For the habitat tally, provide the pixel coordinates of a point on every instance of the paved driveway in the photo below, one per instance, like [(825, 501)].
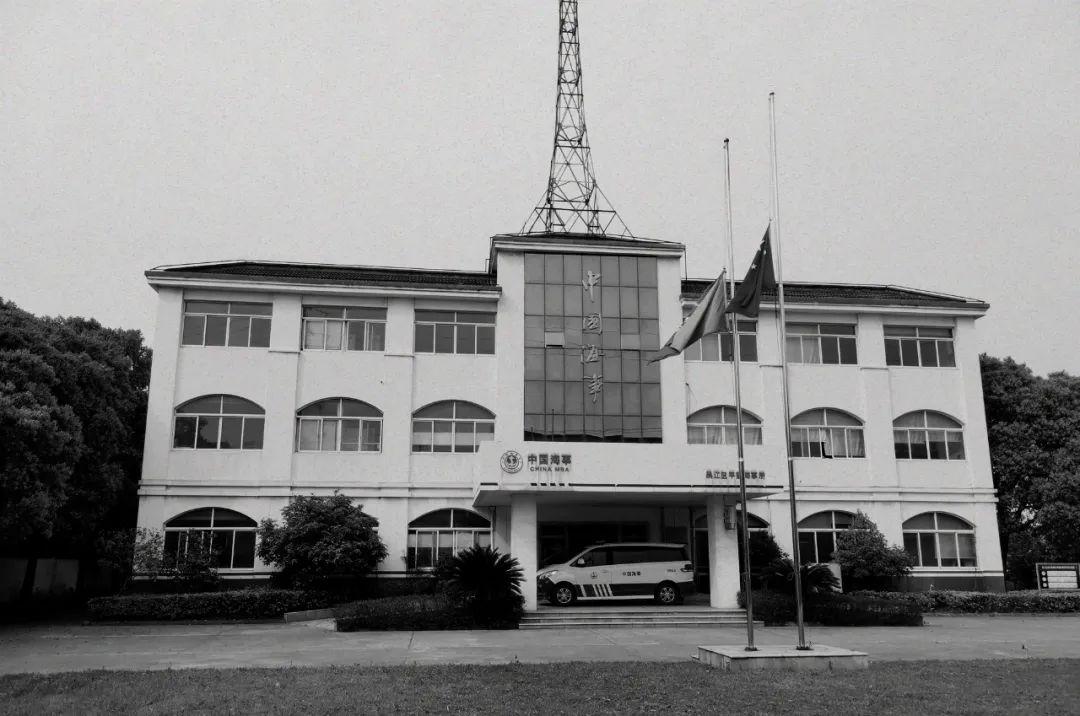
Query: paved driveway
[(163, 646)]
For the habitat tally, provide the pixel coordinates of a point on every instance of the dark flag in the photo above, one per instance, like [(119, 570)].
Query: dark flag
[(707, 318), (747, 298)]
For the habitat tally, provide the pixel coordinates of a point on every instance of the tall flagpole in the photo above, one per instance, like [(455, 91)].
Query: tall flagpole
[(797, 561), (743, 525)]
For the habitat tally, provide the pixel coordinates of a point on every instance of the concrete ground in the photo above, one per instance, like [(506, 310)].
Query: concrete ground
[(163, 646)]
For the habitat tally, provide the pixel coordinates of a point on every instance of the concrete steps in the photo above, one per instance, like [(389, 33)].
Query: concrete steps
[(631, 617)]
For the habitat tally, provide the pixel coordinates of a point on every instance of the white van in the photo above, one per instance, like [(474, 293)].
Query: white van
[(624, 570)]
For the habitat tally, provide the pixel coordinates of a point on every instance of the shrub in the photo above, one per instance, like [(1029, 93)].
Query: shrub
[(817, 579), (764, 550), (866, 560), (489, 584), (1029, 601), (239, 604), (407, 613), (773, 608), (848, 610), (321, 537)]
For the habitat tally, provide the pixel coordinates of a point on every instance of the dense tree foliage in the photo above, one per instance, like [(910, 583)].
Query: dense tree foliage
[(866, 560), (72, 415), (1033, 425), (321, 537)]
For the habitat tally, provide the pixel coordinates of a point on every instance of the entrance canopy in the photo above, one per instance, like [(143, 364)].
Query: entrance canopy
[(488, 494)]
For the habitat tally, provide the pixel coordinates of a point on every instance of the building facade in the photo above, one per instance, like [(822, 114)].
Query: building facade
[(517, 407)]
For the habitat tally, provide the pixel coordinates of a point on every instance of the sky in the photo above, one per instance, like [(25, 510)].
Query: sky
[(929, 144)]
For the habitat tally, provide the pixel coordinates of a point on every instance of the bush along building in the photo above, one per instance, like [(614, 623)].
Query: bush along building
[(517, 406)]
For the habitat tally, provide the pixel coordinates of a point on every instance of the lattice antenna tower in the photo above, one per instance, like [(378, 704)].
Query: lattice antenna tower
[(572, 203)]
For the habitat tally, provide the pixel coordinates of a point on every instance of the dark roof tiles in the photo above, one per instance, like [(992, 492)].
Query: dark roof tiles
[(848, 294)]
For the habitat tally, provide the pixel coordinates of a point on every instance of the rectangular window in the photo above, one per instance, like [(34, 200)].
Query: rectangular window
[(828, 343), (221, 323), (926, 346), (461, 332), (718, 346), (335, 328)]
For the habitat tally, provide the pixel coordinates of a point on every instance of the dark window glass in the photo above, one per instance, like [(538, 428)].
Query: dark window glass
[(807, 553), (946, 354), (231, 431), (425, 339), (909, 352), (911, 544), (928, 542), (239, 327), (260, 333), (444, 338), (184, 432), (193, 330), (253, 433), (830, 350), (892, 352), (466, 339), (848, 355), (216, 327), (534, 268), (928, 353), (244, 550), (826, 545), (207, 435)]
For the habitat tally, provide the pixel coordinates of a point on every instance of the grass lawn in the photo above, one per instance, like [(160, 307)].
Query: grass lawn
[(1034, 686)]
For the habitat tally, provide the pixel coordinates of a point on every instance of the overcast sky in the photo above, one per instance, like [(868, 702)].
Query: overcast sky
[(932, 144)]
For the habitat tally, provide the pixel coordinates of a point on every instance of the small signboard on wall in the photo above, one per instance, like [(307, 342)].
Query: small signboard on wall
[(1058, 575)]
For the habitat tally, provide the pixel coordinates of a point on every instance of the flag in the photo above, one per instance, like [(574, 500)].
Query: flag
[(747, 298), (707, 318)]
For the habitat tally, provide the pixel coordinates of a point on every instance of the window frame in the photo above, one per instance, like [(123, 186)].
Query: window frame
[(927, 444), (413, 533), (919, 341), (832, 530), (345, 328), (830, 431), (455, 423), (455, 327), (723, 429), (818, 337), (339, 419), (938, 533), (229, 315), (720, 344), (209, 532), (220, 416)]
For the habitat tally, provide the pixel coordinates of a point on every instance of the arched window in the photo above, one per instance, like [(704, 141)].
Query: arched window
[(827, 432), (228, 535), (452, 426), (937, 539), (716, 426), (219, 422), (926, 435), (817, 535), (339, 425), (441, 534)]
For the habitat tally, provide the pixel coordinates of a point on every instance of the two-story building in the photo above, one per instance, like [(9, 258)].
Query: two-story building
[(517, 407)]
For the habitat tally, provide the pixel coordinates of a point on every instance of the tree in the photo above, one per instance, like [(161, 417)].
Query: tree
[(321, 537), (1033, 425), (764, 550), (866, 560), (72, 415)]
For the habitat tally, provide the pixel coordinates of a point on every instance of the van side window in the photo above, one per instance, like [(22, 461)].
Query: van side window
[(667, 554), (597, 557), (630, 555)]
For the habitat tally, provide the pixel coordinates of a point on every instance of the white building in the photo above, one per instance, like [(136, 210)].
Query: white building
[(515, 406)]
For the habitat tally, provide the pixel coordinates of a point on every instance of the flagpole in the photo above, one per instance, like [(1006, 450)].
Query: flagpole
[(797, 562), (743, 524)]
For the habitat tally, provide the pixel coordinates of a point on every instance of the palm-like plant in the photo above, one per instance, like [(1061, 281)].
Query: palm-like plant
[(489, 581), (817, 579)]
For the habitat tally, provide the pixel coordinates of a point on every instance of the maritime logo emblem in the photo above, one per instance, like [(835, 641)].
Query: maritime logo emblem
[(511, 461)]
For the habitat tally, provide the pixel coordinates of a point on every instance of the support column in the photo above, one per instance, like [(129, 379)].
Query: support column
[(523, 543), (723, 557)]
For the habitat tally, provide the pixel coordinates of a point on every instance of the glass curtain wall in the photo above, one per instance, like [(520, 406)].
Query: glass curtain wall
[(590, 325)]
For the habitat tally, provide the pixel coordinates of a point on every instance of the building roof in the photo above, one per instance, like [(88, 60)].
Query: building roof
[(853, 294), (332, 274)]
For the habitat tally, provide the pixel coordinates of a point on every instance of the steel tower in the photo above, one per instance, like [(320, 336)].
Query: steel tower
[(572, 202)]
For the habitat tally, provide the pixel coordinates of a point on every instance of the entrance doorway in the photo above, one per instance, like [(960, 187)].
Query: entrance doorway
[(559, 541)]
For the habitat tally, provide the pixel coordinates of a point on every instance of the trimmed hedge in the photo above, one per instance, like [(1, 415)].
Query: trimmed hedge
[(239, 604), (778, 609), (1028, 601), (847, 610), (421, 612)]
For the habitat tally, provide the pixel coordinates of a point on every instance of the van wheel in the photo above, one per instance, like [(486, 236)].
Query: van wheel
[(563, 595), (667, 594)]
